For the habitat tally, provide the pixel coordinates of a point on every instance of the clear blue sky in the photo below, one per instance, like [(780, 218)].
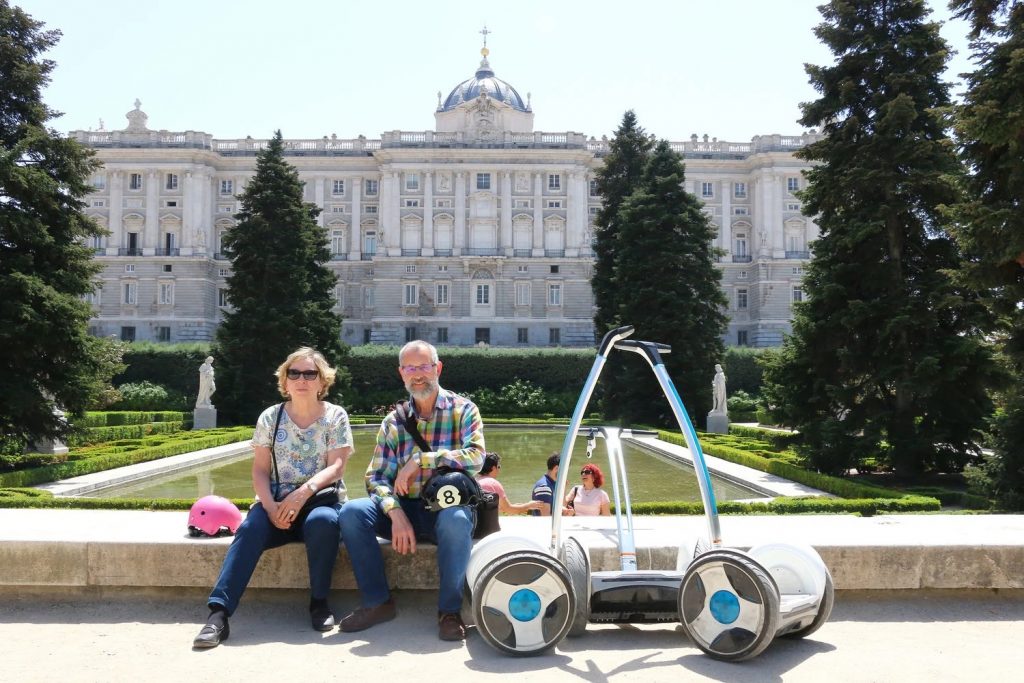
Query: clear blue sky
[(729, 68)]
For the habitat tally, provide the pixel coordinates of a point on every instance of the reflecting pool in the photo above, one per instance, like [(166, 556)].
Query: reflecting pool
[(523, 455)]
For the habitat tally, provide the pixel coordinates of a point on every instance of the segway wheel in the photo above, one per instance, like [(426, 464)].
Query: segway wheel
[(576, 561), (824, 611), (523, 603), (729, 605)]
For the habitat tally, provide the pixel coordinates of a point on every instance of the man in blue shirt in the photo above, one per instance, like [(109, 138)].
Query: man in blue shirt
[(545, 486)]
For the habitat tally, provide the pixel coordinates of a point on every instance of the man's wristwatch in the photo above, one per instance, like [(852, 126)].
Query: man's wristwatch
[(311, 486)]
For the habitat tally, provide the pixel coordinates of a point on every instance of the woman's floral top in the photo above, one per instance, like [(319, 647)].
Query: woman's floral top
[(301, 453)]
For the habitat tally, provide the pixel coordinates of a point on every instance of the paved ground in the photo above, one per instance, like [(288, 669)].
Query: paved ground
[(872, 636)]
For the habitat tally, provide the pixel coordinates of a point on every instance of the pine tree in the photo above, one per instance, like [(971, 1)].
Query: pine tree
[(669, 289), (990, 221), (280, 292), (48, 361), (887, 351), (617, 178)]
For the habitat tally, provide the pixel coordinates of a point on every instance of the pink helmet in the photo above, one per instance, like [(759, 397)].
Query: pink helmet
[(210, 515)]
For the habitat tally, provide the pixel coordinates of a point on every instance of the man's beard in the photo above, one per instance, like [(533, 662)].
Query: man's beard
[(426, 392)]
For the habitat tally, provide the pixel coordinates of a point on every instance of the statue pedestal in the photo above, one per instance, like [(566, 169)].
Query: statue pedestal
[(54, 446), (204, 417), (718, 423)]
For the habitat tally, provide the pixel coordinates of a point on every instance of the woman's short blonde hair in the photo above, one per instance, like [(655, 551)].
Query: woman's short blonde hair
[(327, 373)]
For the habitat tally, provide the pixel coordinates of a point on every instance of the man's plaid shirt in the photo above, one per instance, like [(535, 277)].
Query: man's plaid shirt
[(455, 433)]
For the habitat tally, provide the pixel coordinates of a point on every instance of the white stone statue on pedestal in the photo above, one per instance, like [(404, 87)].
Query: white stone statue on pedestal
[(718, 391), (718, 418), (206, 384)]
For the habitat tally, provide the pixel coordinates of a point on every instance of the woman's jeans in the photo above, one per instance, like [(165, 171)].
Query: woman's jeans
[(451, 529), (319, 531)]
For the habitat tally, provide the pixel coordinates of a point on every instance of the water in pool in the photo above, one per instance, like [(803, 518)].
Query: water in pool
[(523, 455)]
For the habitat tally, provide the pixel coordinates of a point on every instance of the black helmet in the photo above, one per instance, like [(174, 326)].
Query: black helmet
[(450, 487)]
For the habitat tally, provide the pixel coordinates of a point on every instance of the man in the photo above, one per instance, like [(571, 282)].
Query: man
[(395, 477), (545, 486)]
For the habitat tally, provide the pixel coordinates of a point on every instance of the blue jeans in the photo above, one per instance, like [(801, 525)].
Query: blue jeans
[(451, 529), (319, 531)]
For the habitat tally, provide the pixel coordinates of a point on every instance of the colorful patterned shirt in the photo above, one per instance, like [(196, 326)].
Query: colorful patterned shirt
[(301, 453), (454, 431)]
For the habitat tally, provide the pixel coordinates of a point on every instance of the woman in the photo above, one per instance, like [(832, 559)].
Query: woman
[(488, 480), (300, 448), (589, 498)]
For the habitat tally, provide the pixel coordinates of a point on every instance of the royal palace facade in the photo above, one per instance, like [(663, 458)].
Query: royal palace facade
[(480, 230)]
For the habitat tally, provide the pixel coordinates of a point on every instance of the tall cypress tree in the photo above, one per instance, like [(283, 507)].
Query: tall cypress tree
[(279, 290), (46, 269), (669, 289), (990, 220), (617, 178), (888, 349)]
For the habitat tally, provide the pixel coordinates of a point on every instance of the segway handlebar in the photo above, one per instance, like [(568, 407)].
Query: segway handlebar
[(612, 338)]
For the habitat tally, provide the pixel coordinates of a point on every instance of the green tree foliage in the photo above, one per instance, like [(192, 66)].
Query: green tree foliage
[(990, 220), (669, 290), (888, 349), (46, 268), (280, 292), (617, 178)]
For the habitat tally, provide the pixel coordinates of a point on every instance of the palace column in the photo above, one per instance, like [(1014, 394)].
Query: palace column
[(538, 214), (116, 211), (459, 238), (355, 235), (151, 234), (505, 229), (427, 239), (725, 233), (318, 198)]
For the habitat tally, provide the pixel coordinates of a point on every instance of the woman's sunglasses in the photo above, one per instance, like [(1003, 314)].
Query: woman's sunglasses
[(304, 374), (584, 473)]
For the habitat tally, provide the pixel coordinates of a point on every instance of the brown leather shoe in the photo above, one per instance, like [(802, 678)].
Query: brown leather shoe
[(365, 617), (450, 627)]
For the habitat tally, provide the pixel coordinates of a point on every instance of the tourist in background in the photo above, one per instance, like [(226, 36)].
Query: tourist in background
[(300, 448), (588, 498), (488, 480)]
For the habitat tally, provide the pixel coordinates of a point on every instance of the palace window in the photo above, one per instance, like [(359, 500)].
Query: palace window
[(555, 294), (135, 181), (338, 187), (741, 299), (707, 190), (441, 295), (227, 187), (372, 188), (412, 181), (554, 181), (483, 181), (410, 296), (739, 190), (792, 184), (522, 294), (522, 335), (442, 335), (172, 181)]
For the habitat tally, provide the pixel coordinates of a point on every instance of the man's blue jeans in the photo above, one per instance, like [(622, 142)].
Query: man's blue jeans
[(256, 534), (451, 529)]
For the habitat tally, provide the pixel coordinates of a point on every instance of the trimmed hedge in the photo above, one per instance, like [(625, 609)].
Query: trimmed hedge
[(128, 431), (34, 498), (833, 485), (779, 440), (113, 418), (122, 453)]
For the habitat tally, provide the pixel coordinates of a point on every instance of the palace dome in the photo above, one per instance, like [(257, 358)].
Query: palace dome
[(484, 81)]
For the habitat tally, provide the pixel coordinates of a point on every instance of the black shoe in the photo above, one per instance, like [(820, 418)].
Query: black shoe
[(211, 636), (322, 618)]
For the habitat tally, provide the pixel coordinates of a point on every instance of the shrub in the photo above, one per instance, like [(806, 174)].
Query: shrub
[(145, 395)]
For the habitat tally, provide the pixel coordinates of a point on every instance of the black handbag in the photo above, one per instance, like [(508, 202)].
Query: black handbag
[(325, 496), (485, 504)]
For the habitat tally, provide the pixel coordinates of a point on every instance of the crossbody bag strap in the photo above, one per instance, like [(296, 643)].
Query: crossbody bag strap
[(273, 449), (403, 411)]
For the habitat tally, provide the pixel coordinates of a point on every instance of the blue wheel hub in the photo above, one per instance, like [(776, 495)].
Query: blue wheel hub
[(725, 607), (524, 605)]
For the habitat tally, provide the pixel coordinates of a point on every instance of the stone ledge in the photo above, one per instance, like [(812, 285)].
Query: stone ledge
[(100, 548)]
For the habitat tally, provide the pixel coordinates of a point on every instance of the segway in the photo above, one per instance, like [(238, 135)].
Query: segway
[(732, 604)]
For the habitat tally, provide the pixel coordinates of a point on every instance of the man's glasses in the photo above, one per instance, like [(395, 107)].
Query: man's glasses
[(304, 374), (412, 369)]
